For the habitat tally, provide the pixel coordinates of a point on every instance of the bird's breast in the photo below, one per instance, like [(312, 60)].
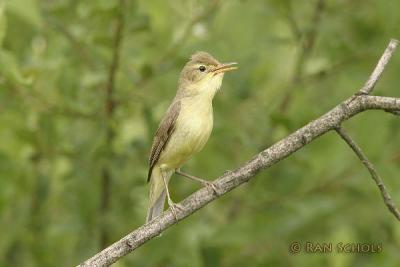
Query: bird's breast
[(195, 124), (192, 130)]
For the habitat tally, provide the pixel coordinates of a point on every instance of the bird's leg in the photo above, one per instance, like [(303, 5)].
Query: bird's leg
[(206, 183), (173, 206)]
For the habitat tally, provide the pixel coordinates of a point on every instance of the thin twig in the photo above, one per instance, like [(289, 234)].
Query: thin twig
[(374, 174), (230, 180), (376, 74)]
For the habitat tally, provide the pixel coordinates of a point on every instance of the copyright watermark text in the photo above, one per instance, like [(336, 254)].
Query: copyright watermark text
[(340, 247)]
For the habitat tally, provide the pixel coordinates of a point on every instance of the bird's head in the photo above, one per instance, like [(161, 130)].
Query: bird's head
[(203, 75)]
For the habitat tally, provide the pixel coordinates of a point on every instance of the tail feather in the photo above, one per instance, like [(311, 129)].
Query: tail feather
[(158, 207), (157, 192)]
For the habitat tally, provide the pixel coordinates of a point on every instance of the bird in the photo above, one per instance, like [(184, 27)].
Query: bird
[(184, 129)]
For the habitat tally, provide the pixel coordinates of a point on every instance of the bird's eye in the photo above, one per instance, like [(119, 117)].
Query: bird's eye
[(202, 68)]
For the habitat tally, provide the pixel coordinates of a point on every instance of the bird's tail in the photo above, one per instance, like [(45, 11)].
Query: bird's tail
[(157, 193), (157, 208)]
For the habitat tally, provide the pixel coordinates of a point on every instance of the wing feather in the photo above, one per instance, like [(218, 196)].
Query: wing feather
[(163, 134)]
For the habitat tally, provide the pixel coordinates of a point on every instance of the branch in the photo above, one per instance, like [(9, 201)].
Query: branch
[(374, 174), (376, 74), (230, 180)]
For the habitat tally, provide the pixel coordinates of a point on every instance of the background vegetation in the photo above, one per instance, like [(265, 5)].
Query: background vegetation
[(76, 126)]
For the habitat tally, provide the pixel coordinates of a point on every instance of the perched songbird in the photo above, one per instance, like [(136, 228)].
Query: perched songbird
[(185, 128)]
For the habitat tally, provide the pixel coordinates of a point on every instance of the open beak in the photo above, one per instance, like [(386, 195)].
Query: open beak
[(224, 68)]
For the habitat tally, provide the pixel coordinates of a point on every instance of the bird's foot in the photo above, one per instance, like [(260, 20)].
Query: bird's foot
[(174, 207)]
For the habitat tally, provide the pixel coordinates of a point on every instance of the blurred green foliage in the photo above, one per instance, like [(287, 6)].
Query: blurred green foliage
[(297, 60)]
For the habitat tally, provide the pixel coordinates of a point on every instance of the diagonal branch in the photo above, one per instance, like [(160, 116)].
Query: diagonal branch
[(230, 180), (374, 174)]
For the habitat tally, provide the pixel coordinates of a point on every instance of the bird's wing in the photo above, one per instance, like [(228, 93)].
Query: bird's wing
[(163, 134)]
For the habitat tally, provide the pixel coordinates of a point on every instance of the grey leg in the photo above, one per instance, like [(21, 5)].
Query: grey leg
[(197, 179), (173, 206)]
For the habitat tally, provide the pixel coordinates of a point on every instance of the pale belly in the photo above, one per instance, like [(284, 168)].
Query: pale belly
[(192, 131)]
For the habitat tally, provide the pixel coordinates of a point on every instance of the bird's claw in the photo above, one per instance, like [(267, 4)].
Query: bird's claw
[(174, 207)]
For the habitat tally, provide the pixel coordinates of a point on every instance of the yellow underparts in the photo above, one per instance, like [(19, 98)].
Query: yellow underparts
[(192, 130)]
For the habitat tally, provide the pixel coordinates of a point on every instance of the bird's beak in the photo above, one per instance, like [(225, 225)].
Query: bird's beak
[(224, 68)]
